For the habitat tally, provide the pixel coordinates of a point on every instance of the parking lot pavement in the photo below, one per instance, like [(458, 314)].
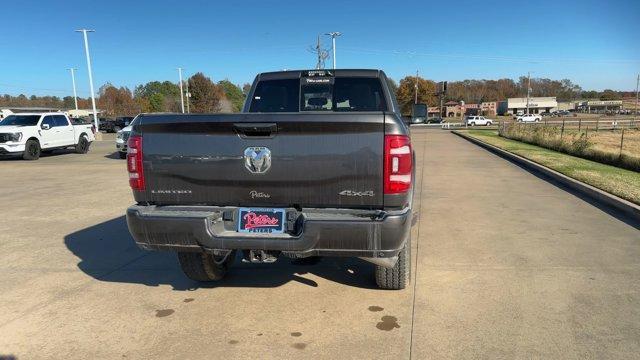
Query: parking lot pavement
[(506, 265)]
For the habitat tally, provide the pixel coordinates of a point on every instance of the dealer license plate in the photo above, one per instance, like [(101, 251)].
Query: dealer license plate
[(261, 220)]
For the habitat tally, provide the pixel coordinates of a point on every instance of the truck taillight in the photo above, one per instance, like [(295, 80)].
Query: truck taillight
[(398, 164), (134, 162)]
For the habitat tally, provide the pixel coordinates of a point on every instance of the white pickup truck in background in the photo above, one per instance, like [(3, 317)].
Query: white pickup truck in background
[(30, 134)]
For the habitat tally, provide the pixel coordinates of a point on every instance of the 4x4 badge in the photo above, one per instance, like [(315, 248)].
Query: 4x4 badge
[(257, 159)]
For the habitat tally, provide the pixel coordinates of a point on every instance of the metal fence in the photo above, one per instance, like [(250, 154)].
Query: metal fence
[(570, 123)]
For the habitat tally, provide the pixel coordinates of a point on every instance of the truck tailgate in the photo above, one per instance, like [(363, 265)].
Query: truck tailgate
[(316, 160)]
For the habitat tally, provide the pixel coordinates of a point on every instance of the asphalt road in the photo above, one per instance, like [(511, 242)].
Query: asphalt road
[(506, 265)]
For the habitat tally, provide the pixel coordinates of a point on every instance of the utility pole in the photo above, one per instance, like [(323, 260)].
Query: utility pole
[(334, 35), (636, 113), (442, 91), (73, 81), (528, 90), (416, 89), (181, 94), (93, 96), (319, 52)]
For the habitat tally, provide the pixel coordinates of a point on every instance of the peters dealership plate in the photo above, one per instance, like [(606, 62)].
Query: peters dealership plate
[(261, 220)]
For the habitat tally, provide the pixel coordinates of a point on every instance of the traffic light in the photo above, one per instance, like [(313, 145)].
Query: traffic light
[(442, 87)]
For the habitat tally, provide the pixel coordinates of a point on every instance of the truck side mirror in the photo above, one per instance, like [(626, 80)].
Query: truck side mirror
[(45, 126)]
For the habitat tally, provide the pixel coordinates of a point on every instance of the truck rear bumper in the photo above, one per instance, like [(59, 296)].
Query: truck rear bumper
[(326, 232)]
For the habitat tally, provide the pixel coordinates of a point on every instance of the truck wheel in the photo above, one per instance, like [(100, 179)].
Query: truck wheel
[(83, 145), (123, 155), (31, 150), (399, 276), (205, 266)]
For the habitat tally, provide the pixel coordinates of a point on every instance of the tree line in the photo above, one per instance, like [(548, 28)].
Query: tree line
[(477, 91), (154, 96), (208, 96)]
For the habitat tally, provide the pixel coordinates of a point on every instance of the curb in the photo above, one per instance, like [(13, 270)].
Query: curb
[(601, 197)]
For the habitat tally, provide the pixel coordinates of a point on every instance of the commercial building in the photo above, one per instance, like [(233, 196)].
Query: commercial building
[(455, 109), (600, 106), (451, 108), (567, 105), (489, 108), (536, 105)]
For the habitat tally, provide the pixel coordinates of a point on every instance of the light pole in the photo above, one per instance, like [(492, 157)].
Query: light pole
[(93, 96), (334, 35), (73, 81), (181, 94), (415, 101), (188, 94)]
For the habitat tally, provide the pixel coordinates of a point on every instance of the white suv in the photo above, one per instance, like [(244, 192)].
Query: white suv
[(529, 118), (478, 120)]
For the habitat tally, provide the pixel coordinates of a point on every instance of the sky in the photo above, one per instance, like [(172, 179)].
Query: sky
[(595, 44)]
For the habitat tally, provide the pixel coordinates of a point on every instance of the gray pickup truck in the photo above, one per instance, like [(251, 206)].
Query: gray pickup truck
[(319, 163)]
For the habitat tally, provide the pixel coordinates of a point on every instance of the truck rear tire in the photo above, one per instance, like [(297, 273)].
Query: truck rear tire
[(399, 276), (82, 147), (31, 150), (205, 266)]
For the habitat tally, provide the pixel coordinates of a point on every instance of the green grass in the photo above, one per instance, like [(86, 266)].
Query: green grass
[(602, 146), (620, 182)]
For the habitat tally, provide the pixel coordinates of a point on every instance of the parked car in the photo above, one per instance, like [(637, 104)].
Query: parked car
[(113, 126), (30, 134), (318, 164), (415, 120), (477, 120), (435, 120), (122, 137), (529, 118)]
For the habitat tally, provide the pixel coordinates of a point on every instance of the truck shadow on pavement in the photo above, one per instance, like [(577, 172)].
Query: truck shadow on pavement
[(107, 252), (114, 155)]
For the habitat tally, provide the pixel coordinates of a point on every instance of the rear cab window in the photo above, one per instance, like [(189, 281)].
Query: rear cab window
[(319, 91), (276, 96)]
